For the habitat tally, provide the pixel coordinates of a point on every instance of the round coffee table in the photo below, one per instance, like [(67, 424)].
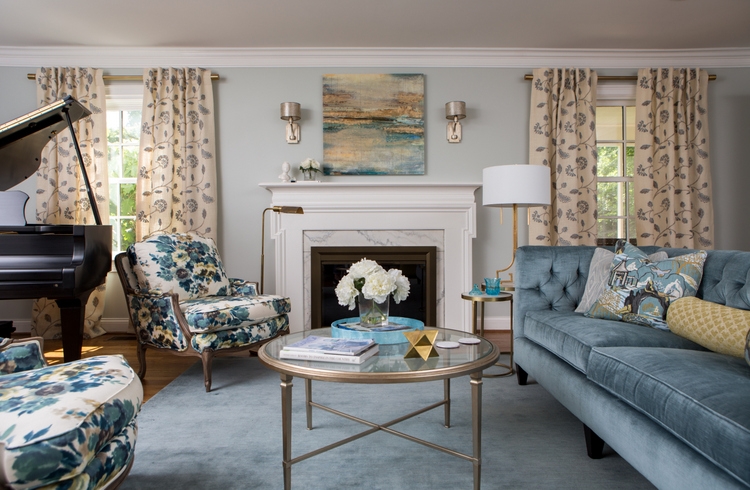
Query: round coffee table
[(388, 366)]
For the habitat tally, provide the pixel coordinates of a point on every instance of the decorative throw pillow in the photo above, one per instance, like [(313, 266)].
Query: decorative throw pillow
[(186, 264), (601, 263), (640, 291), (716, 327)]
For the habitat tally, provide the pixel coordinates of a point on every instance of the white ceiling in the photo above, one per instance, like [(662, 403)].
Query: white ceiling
[(539, 24)]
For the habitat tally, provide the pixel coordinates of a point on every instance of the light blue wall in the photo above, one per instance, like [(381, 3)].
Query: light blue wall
[(251, 149)]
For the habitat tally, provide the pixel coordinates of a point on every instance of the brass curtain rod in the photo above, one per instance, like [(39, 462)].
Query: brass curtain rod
[(119, 78), (609, 78)]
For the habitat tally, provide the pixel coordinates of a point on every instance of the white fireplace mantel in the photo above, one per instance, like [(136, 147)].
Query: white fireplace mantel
[(382, 214)]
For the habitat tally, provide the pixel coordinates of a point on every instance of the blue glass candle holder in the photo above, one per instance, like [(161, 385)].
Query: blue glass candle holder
[(492, 285)]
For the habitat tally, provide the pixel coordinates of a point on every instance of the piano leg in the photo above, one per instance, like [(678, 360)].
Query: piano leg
[(72, 312)]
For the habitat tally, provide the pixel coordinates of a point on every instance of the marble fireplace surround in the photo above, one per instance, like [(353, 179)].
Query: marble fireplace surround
[(375, 214)]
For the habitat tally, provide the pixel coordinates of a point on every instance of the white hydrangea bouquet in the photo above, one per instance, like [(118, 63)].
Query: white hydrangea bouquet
[(370, 284), (310, 167)]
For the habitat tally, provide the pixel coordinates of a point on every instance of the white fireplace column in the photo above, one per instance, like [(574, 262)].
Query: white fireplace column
[(381, 211)]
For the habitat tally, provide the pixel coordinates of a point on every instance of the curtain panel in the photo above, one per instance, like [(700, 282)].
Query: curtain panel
[(61, 196), (672, 164), (176, 189), (562, 136)]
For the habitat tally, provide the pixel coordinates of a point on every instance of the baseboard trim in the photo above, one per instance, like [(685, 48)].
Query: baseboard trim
[(110, 325)]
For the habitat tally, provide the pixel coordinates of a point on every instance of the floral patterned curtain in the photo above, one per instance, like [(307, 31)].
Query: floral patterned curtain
[(61, 196), (562, 137), (176, 190), (672, 165)]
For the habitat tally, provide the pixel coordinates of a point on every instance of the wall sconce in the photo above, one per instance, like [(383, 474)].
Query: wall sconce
[(455, 110), (290, 111)]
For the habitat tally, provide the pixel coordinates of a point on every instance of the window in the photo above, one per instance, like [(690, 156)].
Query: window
[(615, 140), (123, 139)]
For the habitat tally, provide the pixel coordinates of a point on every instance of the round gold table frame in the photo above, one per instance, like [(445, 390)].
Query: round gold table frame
[(481, 299)]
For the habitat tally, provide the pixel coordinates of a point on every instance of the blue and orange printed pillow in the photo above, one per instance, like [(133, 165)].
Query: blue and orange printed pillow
[(640, 291)]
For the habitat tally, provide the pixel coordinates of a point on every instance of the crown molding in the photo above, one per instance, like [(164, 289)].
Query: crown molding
[(139, 57)]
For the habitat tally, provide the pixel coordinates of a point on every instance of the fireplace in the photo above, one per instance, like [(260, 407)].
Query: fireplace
[(329, 264), (378, 214)]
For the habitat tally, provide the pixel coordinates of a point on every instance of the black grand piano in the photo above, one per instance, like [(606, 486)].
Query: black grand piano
[(60, 262)]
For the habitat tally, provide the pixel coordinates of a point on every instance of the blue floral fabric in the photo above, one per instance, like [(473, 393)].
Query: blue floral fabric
[(74, 421), (20, 356), (640, 291), (242, 336), (228, 312), (154, 317), (185, 264)]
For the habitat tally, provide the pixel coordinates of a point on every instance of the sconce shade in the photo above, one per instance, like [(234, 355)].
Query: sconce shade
[(291, 110), (524, 185), (454, 109)]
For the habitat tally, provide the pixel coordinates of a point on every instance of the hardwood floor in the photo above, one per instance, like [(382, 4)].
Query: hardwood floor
[(163, 367)]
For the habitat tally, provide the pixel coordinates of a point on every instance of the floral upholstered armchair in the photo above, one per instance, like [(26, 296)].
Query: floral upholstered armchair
[(179, 298), (69, 425)]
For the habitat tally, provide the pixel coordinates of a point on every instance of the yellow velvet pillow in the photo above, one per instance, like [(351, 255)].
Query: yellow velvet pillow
[(716, 327)]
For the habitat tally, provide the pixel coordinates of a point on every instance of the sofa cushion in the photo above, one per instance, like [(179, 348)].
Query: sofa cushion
[(185, 264), (716, 327), (218, 313), (700, 397), (56, 419), (601, 264), (571, 336), (640, 291)]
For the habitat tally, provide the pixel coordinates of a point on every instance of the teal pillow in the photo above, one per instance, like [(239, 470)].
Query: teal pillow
[(640, 291)]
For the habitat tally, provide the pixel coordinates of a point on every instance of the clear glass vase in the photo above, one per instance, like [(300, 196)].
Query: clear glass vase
[(372, 314)]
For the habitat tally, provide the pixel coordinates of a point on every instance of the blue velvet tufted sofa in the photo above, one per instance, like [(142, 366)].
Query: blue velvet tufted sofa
[(678, 413)]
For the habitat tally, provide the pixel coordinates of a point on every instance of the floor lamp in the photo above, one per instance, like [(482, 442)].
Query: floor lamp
[(513, 186), (275, 209)]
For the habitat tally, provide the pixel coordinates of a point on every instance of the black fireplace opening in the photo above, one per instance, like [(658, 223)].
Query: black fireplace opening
[(330, 264)]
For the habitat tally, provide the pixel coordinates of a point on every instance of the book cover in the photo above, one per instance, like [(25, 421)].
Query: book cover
[(328, 345), (319, 356)]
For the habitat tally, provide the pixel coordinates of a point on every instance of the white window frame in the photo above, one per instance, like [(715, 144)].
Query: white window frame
[(122, 96), (617, 94)]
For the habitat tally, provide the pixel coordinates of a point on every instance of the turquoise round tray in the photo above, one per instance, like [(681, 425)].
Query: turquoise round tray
[(340, 330)]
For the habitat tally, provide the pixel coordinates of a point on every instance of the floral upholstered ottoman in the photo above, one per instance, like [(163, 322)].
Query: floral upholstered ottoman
[(69, 425)]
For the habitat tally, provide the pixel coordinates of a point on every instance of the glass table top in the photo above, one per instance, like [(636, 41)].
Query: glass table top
[(389, 362)]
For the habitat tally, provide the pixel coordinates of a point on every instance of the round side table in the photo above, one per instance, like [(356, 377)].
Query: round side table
[(481, 299)]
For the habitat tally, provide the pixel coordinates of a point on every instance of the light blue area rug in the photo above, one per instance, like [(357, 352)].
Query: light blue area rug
[(231, 438)]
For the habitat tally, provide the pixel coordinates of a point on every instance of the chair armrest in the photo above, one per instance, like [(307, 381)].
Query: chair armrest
[(21, 355), (240, 287), (158, 320)]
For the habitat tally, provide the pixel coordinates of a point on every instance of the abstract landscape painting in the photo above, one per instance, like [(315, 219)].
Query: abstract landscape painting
[(373, 124)]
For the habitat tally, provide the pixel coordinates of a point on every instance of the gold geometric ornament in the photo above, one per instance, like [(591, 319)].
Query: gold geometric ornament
[(421, 343)]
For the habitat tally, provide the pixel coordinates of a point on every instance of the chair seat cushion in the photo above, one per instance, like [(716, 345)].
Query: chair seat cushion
[(217, 313), (56, 419), (570, 336), (241, 336), (700, 397)]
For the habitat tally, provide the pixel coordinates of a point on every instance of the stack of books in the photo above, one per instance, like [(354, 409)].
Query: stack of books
[(314, 348)]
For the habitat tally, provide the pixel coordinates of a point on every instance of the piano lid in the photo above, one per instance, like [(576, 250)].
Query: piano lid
[(23, 138)]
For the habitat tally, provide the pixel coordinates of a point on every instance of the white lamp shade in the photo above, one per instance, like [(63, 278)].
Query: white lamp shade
[(525, 185)]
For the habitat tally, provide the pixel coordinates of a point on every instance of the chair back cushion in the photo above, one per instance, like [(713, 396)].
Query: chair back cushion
[(186, 264)]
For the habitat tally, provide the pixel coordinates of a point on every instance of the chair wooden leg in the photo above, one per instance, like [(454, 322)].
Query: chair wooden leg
[(141, 351), (207, 356)]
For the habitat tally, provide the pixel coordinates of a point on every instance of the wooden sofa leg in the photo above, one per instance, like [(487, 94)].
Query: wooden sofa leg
[(594, 443), (521, 375), (141, 351), (207, 356)]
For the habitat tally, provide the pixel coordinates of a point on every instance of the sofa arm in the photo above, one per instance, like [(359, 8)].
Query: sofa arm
[(158, 320), (549, 278), (21, 355), (240, 287)]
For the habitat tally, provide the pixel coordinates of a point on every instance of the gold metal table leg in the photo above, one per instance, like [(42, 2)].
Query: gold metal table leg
[(308, 402), (286, 428), (447, 396), (476, 425)]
